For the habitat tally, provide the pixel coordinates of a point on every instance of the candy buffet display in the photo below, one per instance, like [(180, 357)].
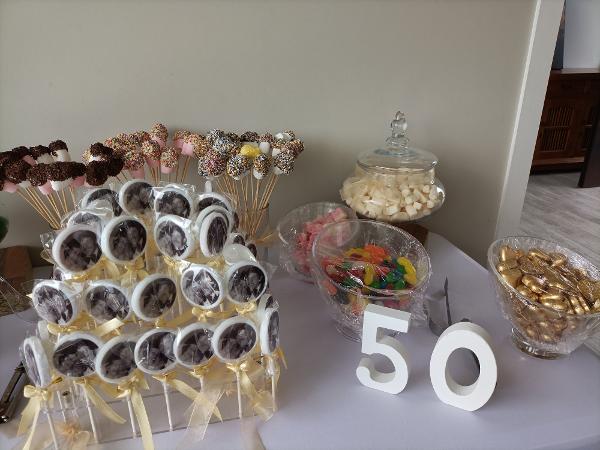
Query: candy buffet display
[(550, 295), (360, 262), (396, 183), (298, 230), (156, 293)]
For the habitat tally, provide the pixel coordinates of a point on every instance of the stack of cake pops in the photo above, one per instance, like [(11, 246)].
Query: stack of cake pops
[(152, 286)]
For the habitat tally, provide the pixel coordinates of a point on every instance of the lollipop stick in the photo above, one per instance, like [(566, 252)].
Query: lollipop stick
[(51, 425), (273, 391), (176, 170), (64, 200), (168, 402), (239, 393), (35, 207), (91, 414), (131, 419), (72, 392), (62, 406)]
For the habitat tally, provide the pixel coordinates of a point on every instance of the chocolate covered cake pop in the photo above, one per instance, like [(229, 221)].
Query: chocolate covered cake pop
[(96, 173), (250, 136), (179, 138), (41, 154), (60, 150), (212, 164), (261, 166), (213, 135), (238, 166), (134, 163), (115, 166), (159, 134), (283, 163), (169, 159), (151, 151), (295, 146)]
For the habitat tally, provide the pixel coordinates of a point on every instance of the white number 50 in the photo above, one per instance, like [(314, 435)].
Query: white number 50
[(459, 335)]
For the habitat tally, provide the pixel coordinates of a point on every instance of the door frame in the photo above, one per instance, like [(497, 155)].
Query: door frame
[(542, 40)]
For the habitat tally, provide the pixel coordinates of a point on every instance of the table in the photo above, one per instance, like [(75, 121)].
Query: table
[(537, 403)]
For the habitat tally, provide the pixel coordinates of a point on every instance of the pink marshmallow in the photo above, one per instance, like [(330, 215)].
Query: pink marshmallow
[(152, 163), (187, 149), (164, 169), (46, 188), (137, 174), (29, 160), (9, 187), (159, 141), (79, 181), (178, 143)]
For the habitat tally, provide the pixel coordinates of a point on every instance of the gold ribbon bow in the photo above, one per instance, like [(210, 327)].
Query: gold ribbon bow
[(246, 308), (134, 272), (98, 401), (103, 269), (131, 388), (82, 322), (74, 437), (29, 417), (203, 314), (261, 401)]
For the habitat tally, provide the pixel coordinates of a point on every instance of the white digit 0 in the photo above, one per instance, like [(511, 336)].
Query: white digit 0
[(472, 337), (376, 317)]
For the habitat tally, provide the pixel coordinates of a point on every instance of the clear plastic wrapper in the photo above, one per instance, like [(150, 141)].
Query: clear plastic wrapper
[(35, 360), (136, 197), (76, 248), (154, 351), (202, 286), (90, 197), (193, 345), (153, 296), (207, 199), (115, 360), (55, 301), (234, 339), (96, 215), (174, 236), (298, 230), (176, 199), (106, 300), (213, 225), (358, 262), (124, 239), (269, 331), (247, 281), (75, 354)]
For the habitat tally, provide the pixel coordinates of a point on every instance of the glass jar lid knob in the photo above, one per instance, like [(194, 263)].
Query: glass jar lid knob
[(399, 126)]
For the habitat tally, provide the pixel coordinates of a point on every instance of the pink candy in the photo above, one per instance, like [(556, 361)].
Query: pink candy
[(310, 230)]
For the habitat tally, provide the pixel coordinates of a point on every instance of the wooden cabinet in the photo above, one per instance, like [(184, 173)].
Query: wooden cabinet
[(568, 121)]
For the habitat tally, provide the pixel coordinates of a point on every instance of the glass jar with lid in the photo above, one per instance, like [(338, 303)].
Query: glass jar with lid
[(396, 183)]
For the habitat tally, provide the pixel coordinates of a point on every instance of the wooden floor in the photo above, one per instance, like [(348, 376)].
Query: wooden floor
[(557, 210)]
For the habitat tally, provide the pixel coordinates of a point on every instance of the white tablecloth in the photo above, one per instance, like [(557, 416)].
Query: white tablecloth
[(537, 403)]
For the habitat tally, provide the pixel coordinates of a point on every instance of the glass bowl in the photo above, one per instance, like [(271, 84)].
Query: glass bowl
[(537, 329), (296, 241), (346, 305)]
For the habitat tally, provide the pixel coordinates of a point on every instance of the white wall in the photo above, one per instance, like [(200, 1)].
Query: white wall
[(582, 34), (334, 71)]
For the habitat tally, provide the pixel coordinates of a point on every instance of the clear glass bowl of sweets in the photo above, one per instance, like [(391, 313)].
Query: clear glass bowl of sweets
[(394, 184), (358, 262), (549, 294), (298, 230)]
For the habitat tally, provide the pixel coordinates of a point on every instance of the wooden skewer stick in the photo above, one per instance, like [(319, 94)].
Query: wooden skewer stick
[(35, 207), (37, 198), (73, 196), (64, 199)]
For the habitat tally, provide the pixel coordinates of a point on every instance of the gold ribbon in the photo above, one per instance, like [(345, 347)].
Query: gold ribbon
[(279, 353), (261, 401), (74, 437), (29, 417), (131, 388), (196, 396), (134, 272), (82, 322), (203, 314), (246, 308), (98, 401), (104, 265)]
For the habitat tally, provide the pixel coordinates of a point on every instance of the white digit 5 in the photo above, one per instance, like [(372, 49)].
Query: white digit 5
[(473, 337), (376, 317)]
